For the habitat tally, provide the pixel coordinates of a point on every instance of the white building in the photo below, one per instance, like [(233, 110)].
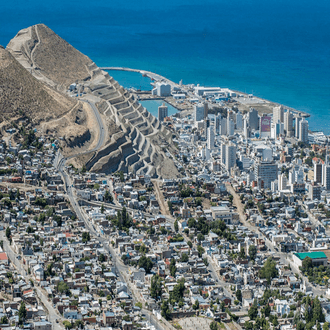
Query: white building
[(278, 114), (162, 89)]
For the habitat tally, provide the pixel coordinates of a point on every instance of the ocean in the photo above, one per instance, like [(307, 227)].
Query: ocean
[(275, 49)]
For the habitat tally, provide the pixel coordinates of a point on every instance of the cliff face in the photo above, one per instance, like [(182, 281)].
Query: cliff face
[(49, 57), (22, 94)]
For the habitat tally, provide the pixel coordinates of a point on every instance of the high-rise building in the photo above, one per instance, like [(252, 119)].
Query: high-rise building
[(210, 138), (223, 130), (162, 112), (217, 124), (297, 126), (278, 114), (282, 181), (207, 124), (223, 153), (246, 130), (288, 123), (253, 119), (206, 110), (314, 191), (199, 112), (230, 127), (326, 176), (318, 171), (239, 121), (303, 131), (230, 156), (267, 172)]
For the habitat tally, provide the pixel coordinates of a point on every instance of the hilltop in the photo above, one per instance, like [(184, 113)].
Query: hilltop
[(49, 57)]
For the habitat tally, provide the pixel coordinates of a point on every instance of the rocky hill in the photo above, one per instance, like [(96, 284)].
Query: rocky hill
[(22, 94), (135, 140), (49, 57)]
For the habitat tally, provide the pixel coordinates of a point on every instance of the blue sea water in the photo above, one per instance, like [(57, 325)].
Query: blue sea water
[(130, 79), (275, 49), (152, 107)]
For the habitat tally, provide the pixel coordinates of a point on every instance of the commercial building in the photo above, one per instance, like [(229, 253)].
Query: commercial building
[(267, 172)]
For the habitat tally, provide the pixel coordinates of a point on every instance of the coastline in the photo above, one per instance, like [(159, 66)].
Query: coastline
[(157, 77)]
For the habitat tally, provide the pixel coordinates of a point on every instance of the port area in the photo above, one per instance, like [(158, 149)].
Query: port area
[(242, 101)]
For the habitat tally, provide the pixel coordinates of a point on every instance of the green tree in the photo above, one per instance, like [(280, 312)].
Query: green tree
[(307, 264), (67, 324), (200, 251), (196, 304), (145, 263), (102, 208), (239, 295), (252, 252), (253, 311), (101, 257), (8, 232), (22, 313), (86, 237), (318, 315), (214, 325), (108, 196), (268, 271), (184, 257), (156, 287), (172, 267), (326, 326), (165, 310), (4, 320), (62, 287), (176, 226)]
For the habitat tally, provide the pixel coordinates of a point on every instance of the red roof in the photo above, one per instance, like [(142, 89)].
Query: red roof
[(3, 256)]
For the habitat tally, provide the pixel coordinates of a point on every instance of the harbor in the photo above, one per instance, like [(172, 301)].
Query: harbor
[(242, 101)]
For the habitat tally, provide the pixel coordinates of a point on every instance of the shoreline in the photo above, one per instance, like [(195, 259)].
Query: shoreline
[(157, 77)]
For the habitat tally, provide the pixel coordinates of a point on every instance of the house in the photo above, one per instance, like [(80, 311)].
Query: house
[(109, 318), (42, 325)]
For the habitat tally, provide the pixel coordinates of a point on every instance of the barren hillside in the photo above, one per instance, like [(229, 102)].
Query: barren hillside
[(49, 56), (21, 93)]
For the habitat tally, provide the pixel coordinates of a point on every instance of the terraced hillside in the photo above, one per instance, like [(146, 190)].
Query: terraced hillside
[(138, 146), (137, 141)]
